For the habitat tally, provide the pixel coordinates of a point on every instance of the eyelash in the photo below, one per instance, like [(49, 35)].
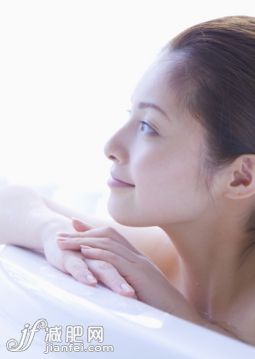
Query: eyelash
[(147, 124)]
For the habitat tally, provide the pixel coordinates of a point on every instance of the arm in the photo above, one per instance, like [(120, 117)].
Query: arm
[(28, 219), (26, 216), (151, 241), (25, 219)]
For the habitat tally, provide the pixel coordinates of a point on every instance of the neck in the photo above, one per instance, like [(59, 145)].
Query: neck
[(216, 262)]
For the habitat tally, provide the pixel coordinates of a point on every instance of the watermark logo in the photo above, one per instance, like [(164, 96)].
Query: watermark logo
[(27, 336), (60, 339), (95, 333)]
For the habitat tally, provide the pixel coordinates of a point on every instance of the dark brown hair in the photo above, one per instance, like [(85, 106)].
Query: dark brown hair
[(215, 82), (217, 76)]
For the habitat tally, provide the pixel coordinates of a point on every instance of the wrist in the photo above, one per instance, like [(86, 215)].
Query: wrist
[(50, 229), (50, 249)]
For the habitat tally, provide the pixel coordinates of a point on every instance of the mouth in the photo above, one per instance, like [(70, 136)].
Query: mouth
[(115, 182)]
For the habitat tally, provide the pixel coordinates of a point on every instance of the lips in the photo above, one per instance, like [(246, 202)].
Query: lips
[(120, 180)]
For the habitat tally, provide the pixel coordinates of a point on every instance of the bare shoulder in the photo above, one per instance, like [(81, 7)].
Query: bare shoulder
[(151, 241), (155, 244)]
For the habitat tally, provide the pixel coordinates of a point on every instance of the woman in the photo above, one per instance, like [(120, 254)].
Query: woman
[(186, 157)]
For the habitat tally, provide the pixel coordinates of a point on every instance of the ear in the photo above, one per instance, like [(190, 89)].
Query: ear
[(241, 178)]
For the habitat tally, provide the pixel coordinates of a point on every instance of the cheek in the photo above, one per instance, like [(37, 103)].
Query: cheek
[(170, 190)]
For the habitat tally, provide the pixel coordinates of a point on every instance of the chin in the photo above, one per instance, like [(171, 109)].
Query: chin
[(125, 219)]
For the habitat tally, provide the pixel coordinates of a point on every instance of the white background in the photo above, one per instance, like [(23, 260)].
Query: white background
[(67, 72)]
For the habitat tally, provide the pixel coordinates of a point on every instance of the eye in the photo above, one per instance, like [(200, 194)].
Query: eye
[(145, 125)]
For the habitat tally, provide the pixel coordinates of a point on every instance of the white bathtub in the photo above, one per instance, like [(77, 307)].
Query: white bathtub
[(30, 289)]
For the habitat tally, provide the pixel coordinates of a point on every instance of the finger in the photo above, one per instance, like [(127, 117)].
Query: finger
[(79, 225), (69, 244), (103, 243), (109, 276), (79, 270), (121, 264), (102, 232)]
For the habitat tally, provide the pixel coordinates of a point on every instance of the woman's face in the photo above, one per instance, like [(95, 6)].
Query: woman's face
[(160, 152)]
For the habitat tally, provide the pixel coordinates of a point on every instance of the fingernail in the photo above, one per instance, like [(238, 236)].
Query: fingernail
[(126, 287), (62, 240), (78, 221), (91, 279)]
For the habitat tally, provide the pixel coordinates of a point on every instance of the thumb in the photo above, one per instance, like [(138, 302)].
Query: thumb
[(80, 226)]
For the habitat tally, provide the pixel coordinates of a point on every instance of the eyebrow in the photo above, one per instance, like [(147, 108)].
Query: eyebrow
[(142, 105)]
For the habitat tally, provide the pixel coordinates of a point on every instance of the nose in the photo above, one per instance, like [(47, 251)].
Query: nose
[(108, 150), (114, 148)]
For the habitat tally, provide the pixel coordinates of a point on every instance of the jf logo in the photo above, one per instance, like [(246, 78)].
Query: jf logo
[(27, 336)]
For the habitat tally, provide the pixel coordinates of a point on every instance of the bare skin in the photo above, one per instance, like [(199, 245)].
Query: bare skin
[(31, 221), (21, 205), (163, 161), (207, 276)]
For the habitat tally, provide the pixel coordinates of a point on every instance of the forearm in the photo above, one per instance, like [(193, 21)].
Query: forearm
[(25, 215), (25, 219), (151, 241)]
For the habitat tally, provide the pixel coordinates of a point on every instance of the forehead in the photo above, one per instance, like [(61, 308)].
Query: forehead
[(159, 85), (155, 85), (152, 84)]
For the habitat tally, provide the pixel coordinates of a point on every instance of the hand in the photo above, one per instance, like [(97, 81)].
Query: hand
[(74, 263), (125, 263), (87, 271), (70, 262)]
